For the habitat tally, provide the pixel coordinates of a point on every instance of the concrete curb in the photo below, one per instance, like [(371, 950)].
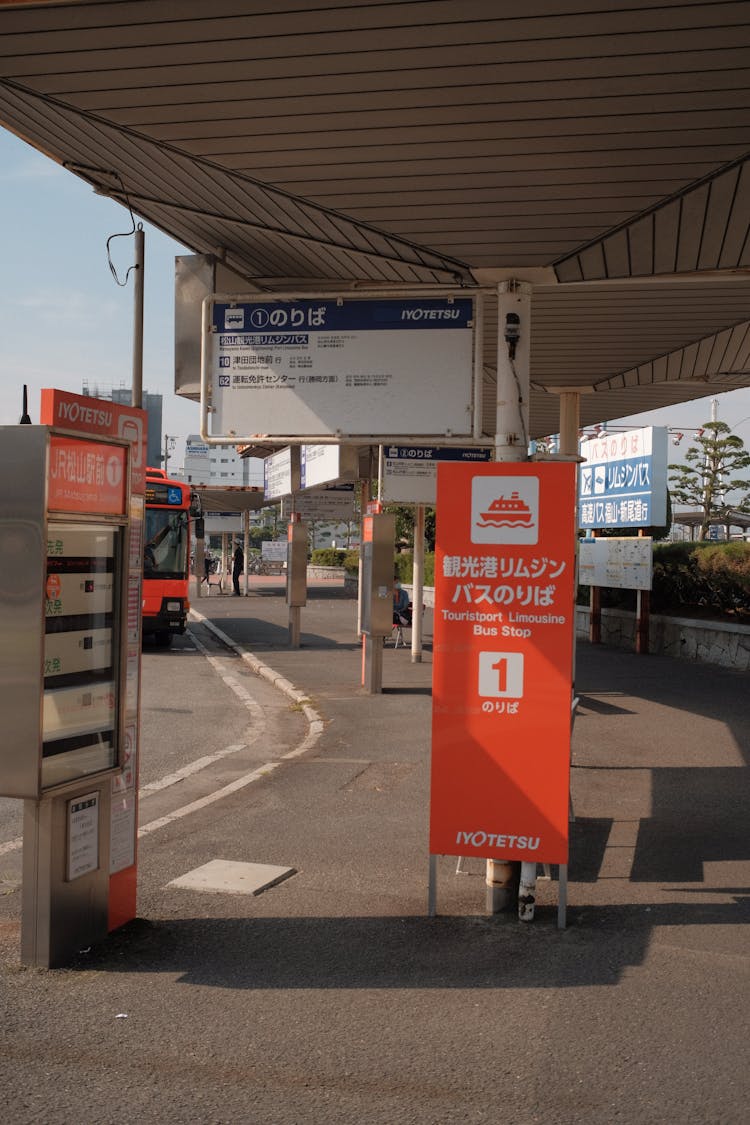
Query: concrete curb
[(315, 722)]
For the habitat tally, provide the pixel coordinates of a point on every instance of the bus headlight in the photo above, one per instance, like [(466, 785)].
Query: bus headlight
[(174, 607)]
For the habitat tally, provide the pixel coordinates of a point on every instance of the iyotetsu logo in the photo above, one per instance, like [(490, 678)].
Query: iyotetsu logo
[(482, 839), (504, 509)]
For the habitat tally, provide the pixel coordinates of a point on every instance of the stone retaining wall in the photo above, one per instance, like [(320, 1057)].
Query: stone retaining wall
[(325, 573), (683, 638)]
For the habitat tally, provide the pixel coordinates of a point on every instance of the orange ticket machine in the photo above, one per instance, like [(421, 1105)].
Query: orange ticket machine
[(69, 610)]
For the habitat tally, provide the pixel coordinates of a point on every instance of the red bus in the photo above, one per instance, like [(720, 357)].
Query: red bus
[(166, 556)]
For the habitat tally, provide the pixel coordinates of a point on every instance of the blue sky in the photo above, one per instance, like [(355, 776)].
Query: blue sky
[(64, 319)]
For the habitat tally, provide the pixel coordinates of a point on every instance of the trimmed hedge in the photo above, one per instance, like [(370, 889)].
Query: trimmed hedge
[(712, 576), (327, 556)]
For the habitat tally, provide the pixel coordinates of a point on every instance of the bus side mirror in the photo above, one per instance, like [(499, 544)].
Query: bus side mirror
[(200, 528)]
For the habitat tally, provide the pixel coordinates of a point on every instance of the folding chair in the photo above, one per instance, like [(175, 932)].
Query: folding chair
[(398, 629)]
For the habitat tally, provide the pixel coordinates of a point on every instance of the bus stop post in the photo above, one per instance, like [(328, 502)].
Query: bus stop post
[(200, 566), (511, 444), (246, 548), (417, 597), (373, 663)]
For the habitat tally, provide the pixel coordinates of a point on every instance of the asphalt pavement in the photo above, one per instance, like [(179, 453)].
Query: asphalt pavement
[(332, 997)]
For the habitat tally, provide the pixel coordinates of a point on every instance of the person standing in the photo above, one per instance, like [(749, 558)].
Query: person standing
[(238, 566)]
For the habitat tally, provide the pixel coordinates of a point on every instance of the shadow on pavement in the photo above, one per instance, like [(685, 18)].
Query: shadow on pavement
[(600, 943)]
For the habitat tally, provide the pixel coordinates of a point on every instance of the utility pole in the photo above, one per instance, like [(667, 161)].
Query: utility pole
[(138, 287), (169, 444)]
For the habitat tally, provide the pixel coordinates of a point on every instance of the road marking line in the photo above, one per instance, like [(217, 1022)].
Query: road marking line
[(316, 725), (203, 802), (192, 767)]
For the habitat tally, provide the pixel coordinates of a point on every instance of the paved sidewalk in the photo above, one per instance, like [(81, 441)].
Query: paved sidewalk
[(333, 998)]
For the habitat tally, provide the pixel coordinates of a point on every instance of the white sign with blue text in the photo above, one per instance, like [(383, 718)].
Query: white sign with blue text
[(320, 366), (623, 479), (410, 472)]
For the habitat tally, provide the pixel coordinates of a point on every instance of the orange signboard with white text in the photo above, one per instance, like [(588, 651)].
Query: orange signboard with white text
[(86, 476), (503, 656), (102, 419)]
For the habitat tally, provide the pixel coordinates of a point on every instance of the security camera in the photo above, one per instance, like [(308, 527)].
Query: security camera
[(512, 333)]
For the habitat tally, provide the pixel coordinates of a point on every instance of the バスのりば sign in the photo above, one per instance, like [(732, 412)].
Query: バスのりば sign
[(503, 654)]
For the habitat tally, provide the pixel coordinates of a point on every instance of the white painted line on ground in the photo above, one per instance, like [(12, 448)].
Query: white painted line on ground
[(203, 802), (315, 723), (192, 767)]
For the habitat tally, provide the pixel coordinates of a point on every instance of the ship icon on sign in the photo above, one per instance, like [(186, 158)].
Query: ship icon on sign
[(510, 511)]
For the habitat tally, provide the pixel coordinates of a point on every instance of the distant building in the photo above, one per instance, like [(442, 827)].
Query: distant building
[(152, 404), (219, 465)]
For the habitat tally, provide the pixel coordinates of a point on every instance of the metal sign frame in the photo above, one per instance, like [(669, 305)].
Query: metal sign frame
[(472, 434)]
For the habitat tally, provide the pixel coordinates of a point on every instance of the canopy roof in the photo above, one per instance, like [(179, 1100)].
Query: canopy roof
[(599, 151), (235, 498)]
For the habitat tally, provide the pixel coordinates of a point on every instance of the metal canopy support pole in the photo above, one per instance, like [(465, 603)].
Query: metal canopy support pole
[(570, 424), (417, 597), (511, 444)]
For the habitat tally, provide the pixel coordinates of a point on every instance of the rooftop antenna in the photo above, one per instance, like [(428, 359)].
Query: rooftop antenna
[(25, 418)]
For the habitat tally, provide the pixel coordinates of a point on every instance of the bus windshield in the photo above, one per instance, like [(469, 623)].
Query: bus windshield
[(166, 550)]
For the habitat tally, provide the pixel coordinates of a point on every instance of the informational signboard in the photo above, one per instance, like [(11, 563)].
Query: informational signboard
[(222, 523), (331, 505), (410, 471), (281, 473), (86, 477), (334, 366), (274, 551), (623, 479), (622, 563), (103, 419), (325, 464), (83, 835), (79, 717), (503, 645)]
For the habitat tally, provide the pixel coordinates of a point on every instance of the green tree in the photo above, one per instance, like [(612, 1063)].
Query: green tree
[(405, 515), (707, 475)]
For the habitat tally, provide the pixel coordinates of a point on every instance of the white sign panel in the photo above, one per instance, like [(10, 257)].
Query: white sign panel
[(410, 472), (289, 367), (122, 831), (277, 474), (322, 464), (221, 523), (622, 563), (83, 835), (274, 551), (332, 505)]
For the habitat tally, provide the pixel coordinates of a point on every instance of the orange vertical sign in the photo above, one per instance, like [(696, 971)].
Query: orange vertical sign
[(503, 653)]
